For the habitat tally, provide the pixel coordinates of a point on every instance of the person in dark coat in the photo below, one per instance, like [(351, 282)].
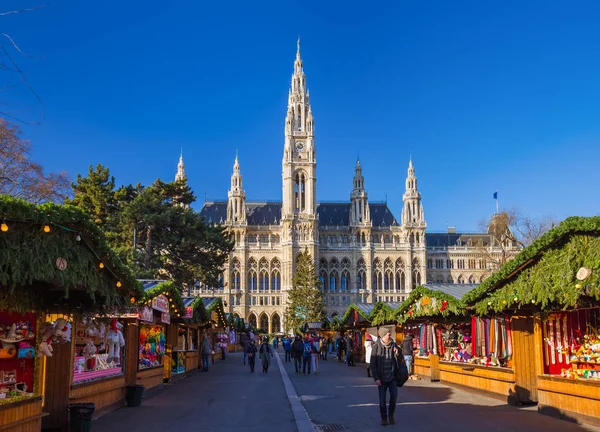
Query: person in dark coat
[(297, 347), (383, 368), (349, 351), (407, 352), (251, 354)]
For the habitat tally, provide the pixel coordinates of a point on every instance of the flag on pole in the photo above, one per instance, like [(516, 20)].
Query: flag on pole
[(496, 195)]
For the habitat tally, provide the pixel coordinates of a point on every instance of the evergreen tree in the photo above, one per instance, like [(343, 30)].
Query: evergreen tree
[(95, 194), (305, 299)]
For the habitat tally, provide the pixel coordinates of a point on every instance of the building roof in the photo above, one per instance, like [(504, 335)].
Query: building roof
[(455, 290), (150, 283), (457, 239), (269, 213)]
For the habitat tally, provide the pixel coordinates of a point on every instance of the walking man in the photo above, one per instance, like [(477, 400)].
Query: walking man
[(407, 351), (205, 350), (383, 368), (306, 355), (245, 346), (251, 353), (297, 348), (287, 347)]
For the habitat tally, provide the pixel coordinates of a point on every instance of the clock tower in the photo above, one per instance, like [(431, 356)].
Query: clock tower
[(299, 174), (299, 155)]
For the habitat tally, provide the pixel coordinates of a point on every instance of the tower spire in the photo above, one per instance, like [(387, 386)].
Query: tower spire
[(180, 168), (359, 199), (236, 197), (412, 213)]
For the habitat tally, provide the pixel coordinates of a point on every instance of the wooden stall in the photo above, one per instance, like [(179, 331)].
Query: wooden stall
[(429, 315), (47, 251), (551, 291)]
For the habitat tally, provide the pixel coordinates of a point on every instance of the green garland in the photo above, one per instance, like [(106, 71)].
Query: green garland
[(28, 261), (381, 314), (171, 291), (218, 305), (407, 309), (553, 239), (550, 284)]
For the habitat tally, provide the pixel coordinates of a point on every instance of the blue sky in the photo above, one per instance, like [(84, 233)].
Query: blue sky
[(485, 96)]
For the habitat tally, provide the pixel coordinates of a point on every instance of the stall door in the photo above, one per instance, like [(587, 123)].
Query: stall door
[(524, 358), (57, 386)]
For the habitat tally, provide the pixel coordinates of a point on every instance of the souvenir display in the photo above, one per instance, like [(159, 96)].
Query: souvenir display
[(152, 346), (17, 353), (572, 344)]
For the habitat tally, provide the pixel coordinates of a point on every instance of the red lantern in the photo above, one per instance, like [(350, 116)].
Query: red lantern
[(444, 306)]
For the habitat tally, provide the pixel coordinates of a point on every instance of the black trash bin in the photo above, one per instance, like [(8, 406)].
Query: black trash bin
[(80, 416), (134, 395)]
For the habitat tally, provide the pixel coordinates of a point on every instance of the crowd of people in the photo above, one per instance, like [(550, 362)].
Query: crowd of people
[(382, 356)]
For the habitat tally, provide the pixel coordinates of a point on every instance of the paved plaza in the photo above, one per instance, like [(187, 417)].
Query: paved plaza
[(338, 397)]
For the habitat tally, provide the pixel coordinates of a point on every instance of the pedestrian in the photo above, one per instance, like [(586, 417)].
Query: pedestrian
[(297, 348), (340, 347), (407, 352), (383, 366), (205, 351), (349, 351), (265, 355), (307, 349), (368, 348), (251, 353), (287, 346), (245, 345), (323, 348), (330, 344), (315, 354)]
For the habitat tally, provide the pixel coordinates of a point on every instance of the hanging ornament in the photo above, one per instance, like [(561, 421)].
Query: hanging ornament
[(46, 228), (444, 306), (78, 238), (118, 284), (61, 263), (4, 227), (101, 265)]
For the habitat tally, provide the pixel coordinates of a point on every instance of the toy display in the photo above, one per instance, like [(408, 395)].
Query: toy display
[(115, 341), (17, 351), (152, 346)]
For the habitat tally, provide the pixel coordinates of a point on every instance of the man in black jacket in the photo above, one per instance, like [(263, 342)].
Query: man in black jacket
[(383, 368), (297, 348)]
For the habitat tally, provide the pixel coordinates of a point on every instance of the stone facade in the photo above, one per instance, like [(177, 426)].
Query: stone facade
[(362, 252)]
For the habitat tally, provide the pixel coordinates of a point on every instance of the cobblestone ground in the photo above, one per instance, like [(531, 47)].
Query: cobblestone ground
[(230, 398)]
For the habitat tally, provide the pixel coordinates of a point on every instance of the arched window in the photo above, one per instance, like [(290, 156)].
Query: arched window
[(324, 281), (400, 281), (388, 280), (360, 280), (264, 322), (276, 281), (416, 279), (264, 280), (377, 281), (450, 280), (252, 320), (345, 278), (235, 278), (333, 282), (275, 323), (252, 282), (461, 279), (471, 279)]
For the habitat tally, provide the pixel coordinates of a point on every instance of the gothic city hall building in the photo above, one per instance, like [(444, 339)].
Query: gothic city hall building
[(362, 252)]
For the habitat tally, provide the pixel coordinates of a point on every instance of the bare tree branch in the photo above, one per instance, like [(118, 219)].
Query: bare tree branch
[(20, 11)]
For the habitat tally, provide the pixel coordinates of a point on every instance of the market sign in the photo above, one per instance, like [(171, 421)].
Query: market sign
[(146, 314), (165, 318), (160, 303), (189, 312)]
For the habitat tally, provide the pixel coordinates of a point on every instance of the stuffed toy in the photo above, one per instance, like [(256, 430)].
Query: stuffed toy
[(62, 331), (114, 340), (45, 348)]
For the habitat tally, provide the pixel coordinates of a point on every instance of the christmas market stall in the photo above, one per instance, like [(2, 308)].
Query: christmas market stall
[(162, 303), (187, 345), (551, 290), (215, 328), (55, 267), (433, 316), (362, 319)]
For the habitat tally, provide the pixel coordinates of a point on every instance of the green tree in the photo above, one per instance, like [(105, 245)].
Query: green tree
[(305, 299), (95, 194)]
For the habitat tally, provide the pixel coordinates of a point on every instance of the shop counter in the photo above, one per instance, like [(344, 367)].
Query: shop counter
[(151, 377), (496, 382), (23, 415), (108, 394), (192, 359), (427, 367), (570, 399)]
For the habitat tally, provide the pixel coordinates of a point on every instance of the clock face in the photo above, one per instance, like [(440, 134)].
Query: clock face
[(300, 146)]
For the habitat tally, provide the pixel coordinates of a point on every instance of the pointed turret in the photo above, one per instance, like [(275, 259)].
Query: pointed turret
[(412, 213), (299, 155), (180, 169), (359, 209), (236, 197)]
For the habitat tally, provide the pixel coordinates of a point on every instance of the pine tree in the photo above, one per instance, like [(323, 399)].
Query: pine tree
[(305, 299)]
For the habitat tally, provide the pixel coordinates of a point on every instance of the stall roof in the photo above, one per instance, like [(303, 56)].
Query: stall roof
[(150, 283), (187, 301), (455, 290)]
